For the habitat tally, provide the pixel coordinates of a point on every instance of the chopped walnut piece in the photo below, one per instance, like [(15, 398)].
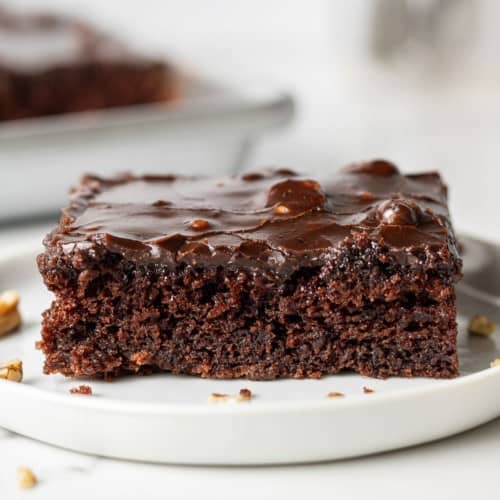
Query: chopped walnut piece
[(25, 478), (8, 301), (81, 389), (368, 390), (481, 325), (200, 224), (334, 394), (10, 318), (12, 370), (495, 362), (9, 322), (281, 210), (244, 395)]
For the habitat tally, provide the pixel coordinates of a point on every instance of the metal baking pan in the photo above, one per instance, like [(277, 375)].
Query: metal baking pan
[(209, 131)]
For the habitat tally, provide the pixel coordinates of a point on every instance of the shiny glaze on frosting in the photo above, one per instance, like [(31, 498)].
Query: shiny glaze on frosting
[(274, 218)]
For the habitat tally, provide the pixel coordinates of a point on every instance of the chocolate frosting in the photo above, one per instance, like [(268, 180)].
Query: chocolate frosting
[(273, 218)]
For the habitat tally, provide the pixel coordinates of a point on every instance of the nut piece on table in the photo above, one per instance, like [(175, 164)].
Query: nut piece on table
[(12, 370), (368, 390), (25, 478), (495, 362), (9, 314), (481, 325)]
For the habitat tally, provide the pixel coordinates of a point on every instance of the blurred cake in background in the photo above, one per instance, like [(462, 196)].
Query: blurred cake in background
[(51, 64)]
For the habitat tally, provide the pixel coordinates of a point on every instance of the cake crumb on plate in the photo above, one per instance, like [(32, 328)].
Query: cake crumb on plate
[(82, 389), (243, 395)]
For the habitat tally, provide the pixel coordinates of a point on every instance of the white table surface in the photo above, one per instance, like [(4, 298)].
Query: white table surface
[(347, 111)]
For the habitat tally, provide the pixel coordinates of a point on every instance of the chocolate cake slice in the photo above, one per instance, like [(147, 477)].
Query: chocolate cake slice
[(263, 275), (55, 64)]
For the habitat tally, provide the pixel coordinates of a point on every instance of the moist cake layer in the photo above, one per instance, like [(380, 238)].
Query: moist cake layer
[(264, 275)]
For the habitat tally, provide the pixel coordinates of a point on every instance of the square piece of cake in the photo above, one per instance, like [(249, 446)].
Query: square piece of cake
[(55, 64), (263, 275)]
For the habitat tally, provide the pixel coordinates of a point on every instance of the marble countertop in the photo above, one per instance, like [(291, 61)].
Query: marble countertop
[(462, 467)]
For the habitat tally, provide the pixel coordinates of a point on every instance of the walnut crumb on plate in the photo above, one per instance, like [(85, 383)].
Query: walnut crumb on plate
[(368, 390), (25, 478), (12, 370), (10, 318), (481, 325)]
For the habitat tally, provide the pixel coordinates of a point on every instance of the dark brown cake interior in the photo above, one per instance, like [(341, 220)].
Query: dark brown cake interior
[(260, 276)]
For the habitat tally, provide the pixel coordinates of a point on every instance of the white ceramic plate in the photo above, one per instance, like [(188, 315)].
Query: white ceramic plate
[(167, 418)]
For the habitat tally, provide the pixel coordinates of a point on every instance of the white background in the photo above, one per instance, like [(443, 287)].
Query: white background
[(419, 112)]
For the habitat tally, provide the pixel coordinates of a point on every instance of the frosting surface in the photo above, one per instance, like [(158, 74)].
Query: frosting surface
[(271, 217)]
